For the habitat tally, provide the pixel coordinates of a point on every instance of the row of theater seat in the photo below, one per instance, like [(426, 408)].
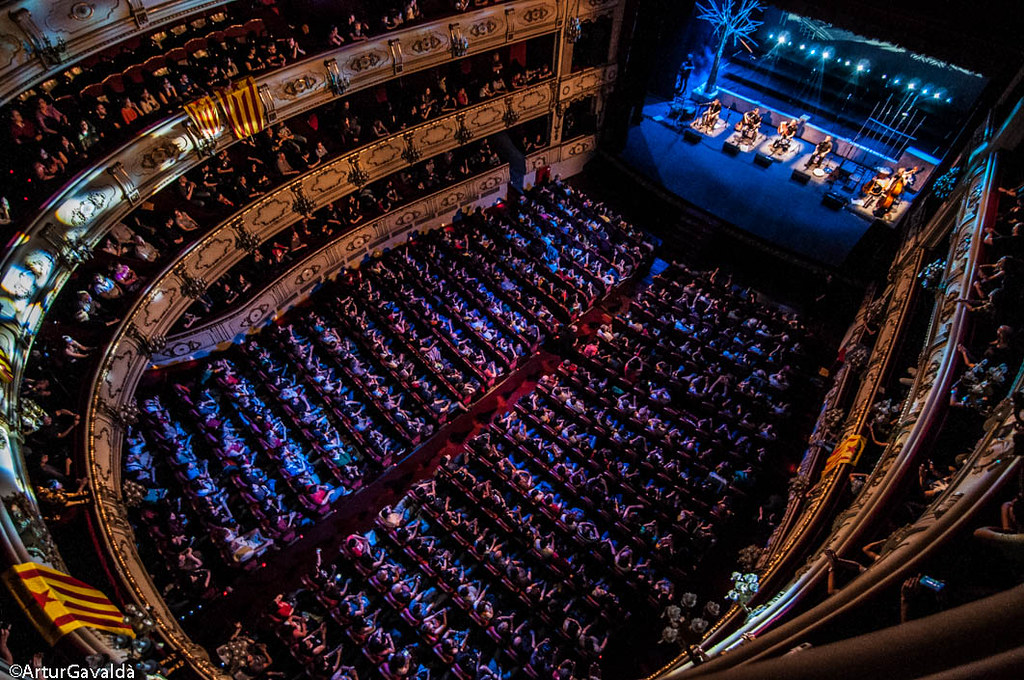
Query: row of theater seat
[(585, 507), (338, 395)]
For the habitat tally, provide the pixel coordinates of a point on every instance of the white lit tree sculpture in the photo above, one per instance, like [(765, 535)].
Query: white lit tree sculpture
[(733, 20)]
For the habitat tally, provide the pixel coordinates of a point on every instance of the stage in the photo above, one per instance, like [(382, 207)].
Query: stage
[(762, 200)]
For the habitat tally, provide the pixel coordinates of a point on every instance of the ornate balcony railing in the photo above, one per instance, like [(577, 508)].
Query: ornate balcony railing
[(69, 225), (921, 414), (128, 351), (41, 38)]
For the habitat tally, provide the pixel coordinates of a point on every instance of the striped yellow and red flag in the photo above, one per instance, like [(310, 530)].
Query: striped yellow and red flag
[(58, 603), (205, 115), (6, 371), (243, 107)]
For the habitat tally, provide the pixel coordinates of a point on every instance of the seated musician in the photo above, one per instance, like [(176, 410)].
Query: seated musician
[(821, 151), (751, 122), (787, 130), (709, 119), (877, 186)]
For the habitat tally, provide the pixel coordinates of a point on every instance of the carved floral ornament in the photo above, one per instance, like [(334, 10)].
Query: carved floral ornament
[(365, 61), (535, 14), (158, 155), (427, 43), (82, 11), (483, 28), (358, 242), (302, 84)]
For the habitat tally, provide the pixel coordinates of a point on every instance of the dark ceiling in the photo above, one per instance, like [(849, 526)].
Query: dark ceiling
[(986, 36)]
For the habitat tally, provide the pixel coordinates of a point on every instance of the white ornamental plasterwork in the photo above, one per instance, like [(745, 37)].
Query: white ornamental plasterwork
[(385, 154), (438, 133), (535, 13), (303, 85), (580, 146), (12, 47), (62, 16), (323, 182), (484, 118), (80, 28), (428, 42)]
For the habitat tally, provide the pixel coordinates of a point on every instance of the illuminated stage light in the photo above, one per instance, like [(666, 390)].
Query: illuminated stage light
[(949, 100), (847, 62), (924, 91), (896, 82), (826, 54), (802, 46), (937, 96), (911, 86), (884, 76), (814, 52)]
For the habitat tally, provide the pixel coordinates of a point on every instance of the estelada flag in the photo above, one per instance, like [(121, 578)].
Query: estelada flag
[(243, 107), (58, 603), (6, 372), (205, 115)]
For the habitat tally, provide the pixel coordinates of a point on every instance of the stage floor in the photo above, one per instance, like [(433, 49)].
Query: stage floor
[(762, 201)]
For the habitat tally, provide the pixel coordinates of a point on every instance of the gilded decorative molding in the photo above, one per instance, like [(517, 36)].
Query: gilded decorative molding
[(169, 295), (87, 208), (112, 409), (346, 251)]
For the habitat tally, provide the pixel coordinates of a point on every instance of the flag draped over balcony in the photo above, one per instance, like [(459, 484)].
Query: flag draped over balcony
[(205, 116), (243, 108), (58, 603)]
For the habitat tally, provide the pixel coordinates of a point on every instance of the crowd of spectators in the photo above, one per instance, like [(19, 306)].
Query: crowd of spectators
[(141, 245), (274, 256), (75, 118), (268, 436), (144, 241), (583, 508), (993, 300), (988, 358), (53, 136)]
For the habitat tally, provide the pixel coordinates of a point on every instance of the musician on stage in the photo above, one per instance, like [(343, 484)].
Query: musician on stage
[(823, 149), (907, 176), (877, 187), (683, 76), (787, 130), (709, 119), (750, 123)]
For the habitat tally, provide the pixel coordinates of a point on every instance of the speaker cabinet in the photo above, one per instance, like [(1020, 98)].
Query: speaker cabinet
[(833, 200), (763, 161), (692, 136), (730, 149), (800, 177)]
